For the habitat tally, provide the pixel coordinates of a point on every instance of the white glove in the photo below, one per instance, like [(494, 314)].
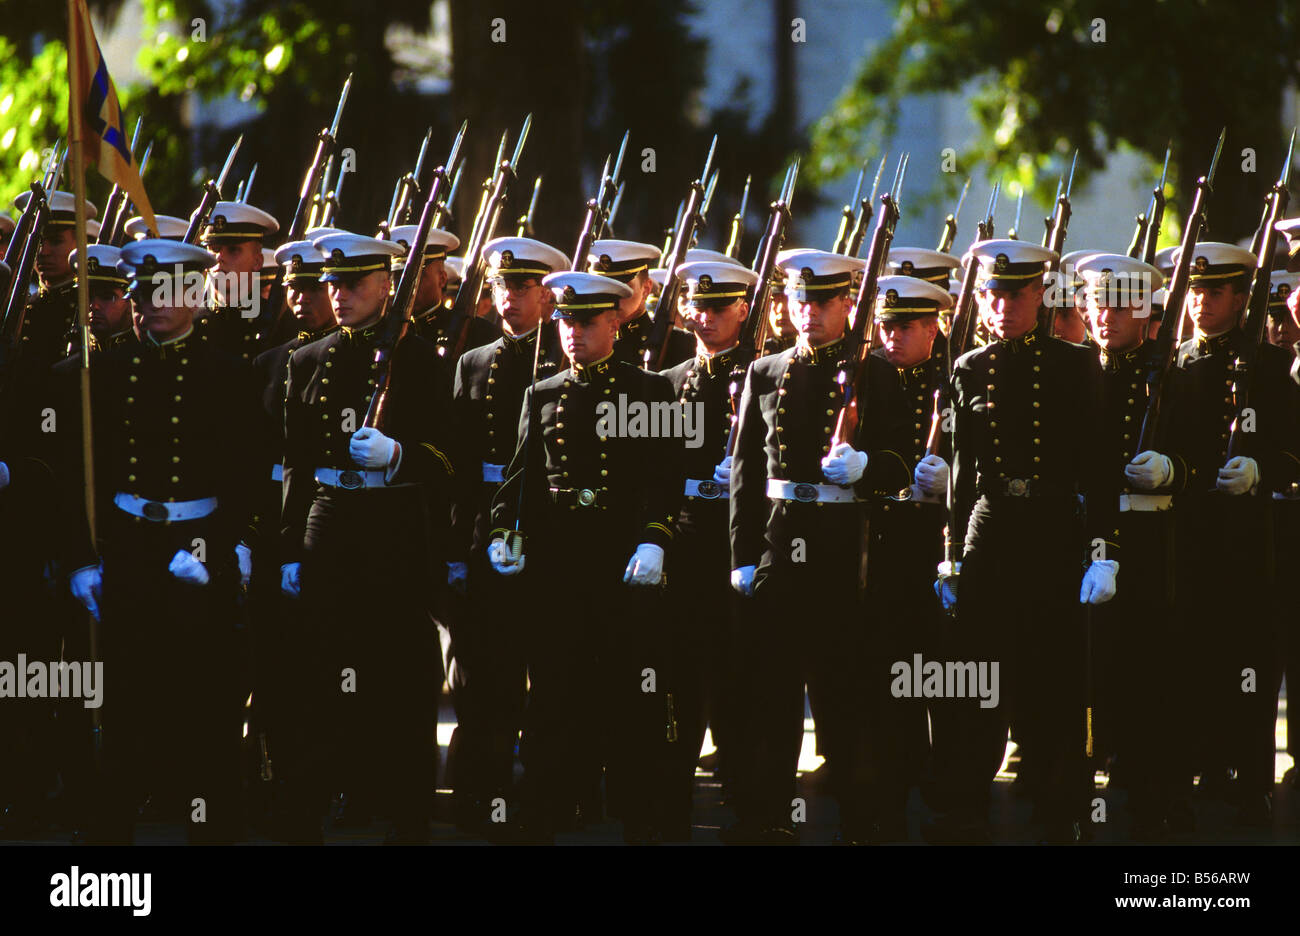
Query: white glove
[(499, 556), (1099, 582), (945, 585), (1239, 476), (370, 448), (457, 575), (844, 465), (188, 569), (244, 556), (722, 473), (1149, 471), (86, 586), (290, 586), (646, 567), (4, 476), (742, 579), (932, 475)]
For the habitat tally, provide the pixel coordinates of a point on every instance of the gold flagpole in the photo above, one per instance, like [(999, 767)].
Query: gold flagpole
[(83, 297)]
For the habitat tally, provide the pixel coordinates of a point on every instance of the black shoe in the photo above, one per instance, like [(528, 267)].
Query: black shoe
[(1256, 811)]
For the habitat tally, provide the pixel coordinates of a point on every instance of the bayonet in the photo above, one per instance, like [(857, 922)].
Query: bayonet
[(618, 163), (248, 187), (338, 111), (1073, 162), (1214, 163), (613, 211), (523, 138), (1020, 201), (230, 161)]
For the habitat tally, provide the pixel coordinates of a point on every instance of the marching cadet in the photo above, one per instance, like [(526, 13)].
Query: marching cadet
[(796, 542), (270, 270), (702, 603), (934, 267), (1028, 442), (52, 312), (276, 630), (363, 528), (590, 486), (431, 319), (173, 477), (234, 233), (484, 658), (1138, 633), (169, 227), (1071, 322), (908, 486), (110, 306), (1284, 331), (629, 263), (1224, 515)]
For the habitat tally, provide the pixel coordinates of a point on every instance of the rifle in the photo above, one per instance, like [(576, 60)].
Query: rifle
[(248, 183), (704, 208), (662, 326), (857, 346), (846, 213), (398, 318), (738, 223), (1245, 371), (20, 256), (1175, 294), (670, 235), (1051, 219), (472, 281), (116, 196), (445, 206), (1013, 232), (330, 203), (950, 222), (326, 143), (599, 208), (480, 217), (860, 223), (525, 226), (1146, 229), (211, 195), (613, 210), (1056, 242), (399, 209), (959, 337), (754, 329), (127, 206)]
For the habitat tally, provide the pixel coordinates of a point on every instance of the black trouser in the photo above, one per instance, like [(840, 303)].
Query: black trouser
[(1018, 606), (486, 675), (702, 620), (599, 681), (903, 619), (1141, 656), (1225, 599), (375, 668), (803, 626), (171, 693)]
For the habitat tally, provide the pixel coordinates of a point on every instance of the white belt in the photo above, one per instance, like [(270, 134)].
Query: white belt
[(494, 473), (164, 511), (806, 493), (1145, 502), (709, 489), (349, 479), (277, 472)]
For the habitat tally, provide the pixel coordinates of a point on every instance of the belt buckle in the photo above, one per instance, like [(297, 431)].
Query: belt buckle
[(1018, 487), (351, 480), (152, 510), (709, 489), (586, 497), (805, 493)]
